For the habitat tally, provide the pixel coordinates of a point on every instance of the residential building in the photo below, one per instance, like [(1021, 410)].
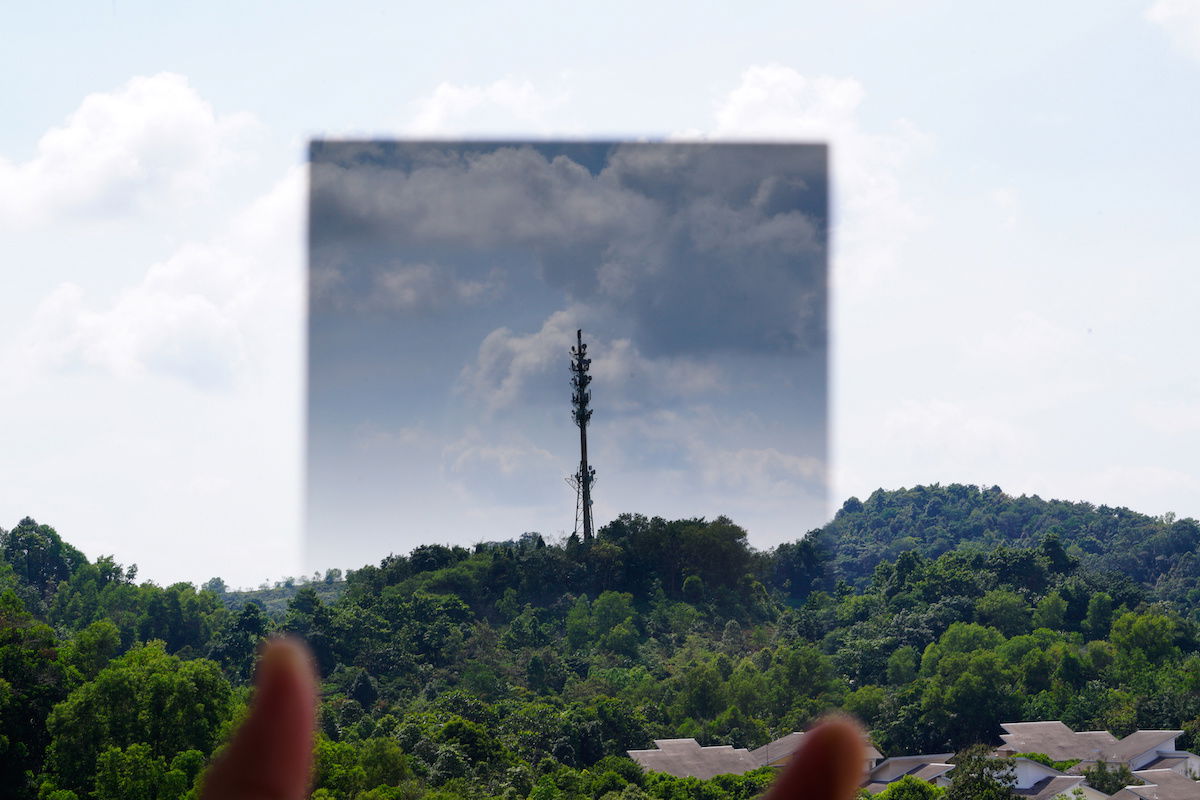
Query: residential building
[(929, 768), (1160, 784), (1150, 749), (686, 758)]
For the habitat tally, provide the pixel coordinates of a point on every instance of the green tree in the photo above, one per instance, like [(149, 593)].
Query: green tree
[(1152, 634), (235, 646), (902, 665), (979, 776), (1051, 612), (92, 648), (143, 697), (579, 624), (610, 610), (1110, 778), (1005, 611), (701, 692), (39, 557), (32, 680), (383, 762), (1099, 615), (910, 788)]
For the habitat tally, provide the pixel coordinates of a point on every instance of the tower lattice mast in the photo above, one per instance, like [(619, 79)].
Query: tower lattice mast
[(580, 396)]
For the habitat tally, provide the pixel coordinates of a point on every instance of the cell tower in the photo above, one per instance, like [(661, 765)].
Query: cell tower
[(583, 479)]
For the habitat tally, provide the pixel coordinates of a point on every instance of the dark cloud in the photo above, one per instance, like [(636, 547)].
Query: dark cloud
[(700, 247)]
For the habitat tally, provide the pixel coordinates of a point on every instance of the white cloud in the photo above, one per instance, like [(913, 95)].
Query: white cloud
[(1181, 21), (150, 142), (508, 363), (177, 397), (503, 105), (206, 315), (511, 369), (145, 330), (873, 216)]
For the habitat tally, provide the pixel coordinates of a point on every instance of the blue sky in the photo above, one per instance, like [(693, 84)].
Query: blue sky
[(1014, 248)]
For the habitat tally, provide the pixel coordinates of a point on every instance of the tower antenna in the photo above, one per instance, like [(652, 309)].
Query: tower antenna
[(580, 396)]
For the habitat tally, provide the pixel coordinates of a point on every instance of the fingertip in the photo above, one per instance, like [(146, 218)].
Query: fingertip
[(285, 659), (829, 764), (270, 755)]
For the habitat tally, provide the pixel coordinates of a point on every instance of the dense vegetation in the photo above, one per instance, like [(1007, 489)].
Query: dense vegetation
[(527, 669)]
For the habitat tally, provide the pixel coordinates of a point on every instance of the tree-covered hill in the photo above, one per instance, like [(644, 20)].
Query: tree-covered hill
[(525, 669), (1162, 554), (274, 599)]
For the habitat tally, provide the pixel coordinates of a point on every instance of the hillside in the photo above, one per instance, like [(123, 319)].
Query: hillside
[(275, 600), (1158, 553), (522, 669)]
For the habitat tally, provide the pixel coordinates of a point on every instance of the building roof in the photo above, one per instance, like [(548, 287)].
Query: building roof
[(926, 767), (1059, 742), (1056, 740), (782, 749), (902, 765), (930, 772), (685, 757), (1050, 787), (775, 750), (1039, 765), (1161, 784), (1166, 762), (1140, 742)]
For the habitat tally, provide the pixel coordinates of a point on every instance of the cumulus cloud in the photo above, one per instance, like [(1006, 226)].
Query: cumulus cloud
[(1180, 19), (702, 248), (873, 215), (152, 141), (204, 315), (503, 105), (513, 369), (146, 330)]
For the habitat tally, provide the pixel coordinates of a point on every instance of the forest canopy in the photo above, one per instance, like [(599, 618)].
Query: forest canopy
[(526, 668)]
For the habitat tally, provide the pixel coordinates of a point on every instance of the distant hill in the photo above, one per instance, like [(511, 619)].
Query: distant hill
[(274, 601), (1159, 553)]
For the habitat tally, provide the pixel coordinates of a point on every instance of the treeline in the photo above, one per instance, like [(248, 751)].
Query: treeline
[(525, 669)]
